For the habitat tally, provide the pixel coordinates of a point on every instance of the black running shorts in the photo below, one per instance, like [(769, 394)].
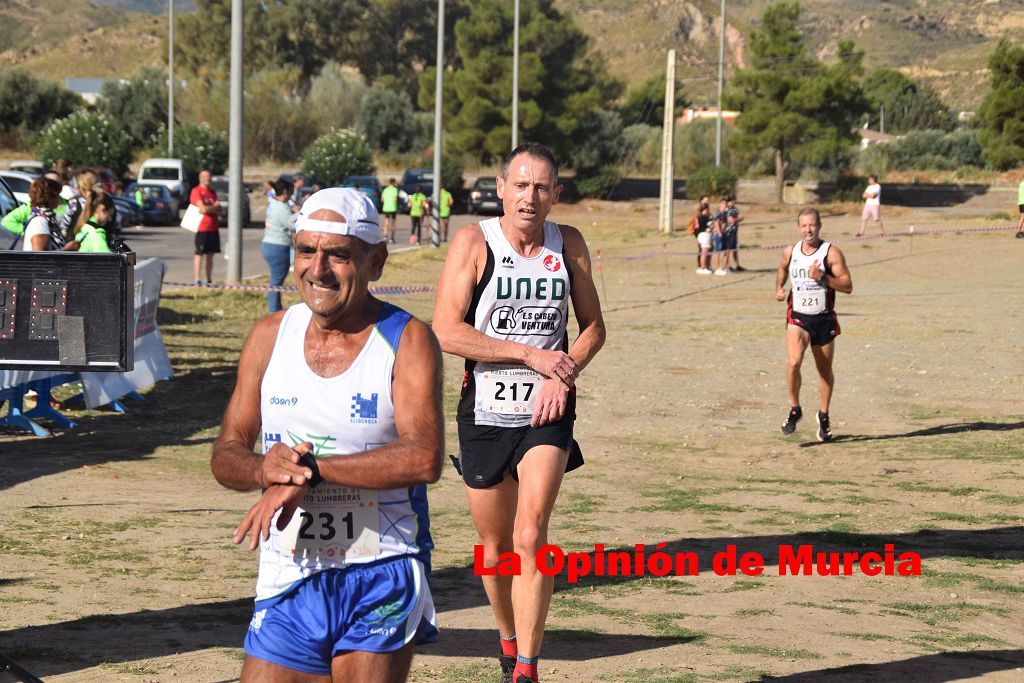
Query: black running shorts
[(489, 454), (208, 242), (823, 328)]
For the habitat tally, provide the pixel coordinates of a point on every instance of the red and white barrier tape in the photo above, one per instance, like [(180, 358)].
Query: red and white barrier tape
[(385, 291)]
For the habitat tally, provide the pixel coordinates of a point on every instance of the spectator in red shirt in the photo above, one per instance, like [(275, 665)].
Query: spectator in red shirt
[(208, 236)]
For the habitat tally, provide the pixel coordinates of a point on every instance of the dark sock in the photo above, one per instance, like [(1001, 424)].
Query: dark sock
[(508, 645), (526, 666)]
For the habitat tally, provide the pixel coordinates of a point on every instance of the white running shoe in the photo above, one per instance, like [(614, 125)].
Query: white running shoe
[(703, 271), (721, 272)]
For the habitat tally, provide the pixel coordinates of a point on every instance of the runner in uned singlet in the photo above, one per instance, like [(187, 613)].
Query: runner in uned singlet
[(502, 304), (816, 270), (525, 300)]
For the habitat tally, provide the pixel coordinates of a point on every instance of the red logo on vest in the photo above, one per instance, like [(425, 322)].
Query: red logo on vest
[(552, 263)]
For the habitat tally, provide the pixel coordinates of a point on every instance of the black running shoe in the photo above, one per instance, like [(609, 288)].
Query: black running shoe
[(1020, 234), (824, 427), (795, 413), (508, 667), (523, 678)]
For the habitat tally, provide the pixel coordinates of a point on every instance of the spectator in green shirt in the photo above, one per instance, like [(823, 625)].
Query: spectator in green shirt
[(389, 209), (15, 221), (417, 204), (445, 213)]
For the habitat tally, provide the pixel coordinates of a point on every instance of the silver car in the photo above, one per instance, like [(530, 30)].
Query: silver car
[(219, 183)]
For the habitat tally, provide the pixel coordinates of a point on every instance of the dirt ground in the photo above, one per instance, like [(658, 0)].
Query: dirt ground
[(115, 539)]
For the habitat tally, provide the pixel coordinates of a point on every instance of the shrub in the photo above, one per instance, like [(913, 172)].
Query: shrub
[(386, 119), (198, 145), (598, 183), (88, 138), (139, 104), (929, 149), (643, 149), (716, 181), (694, 146), (30, 104), (337, 154)]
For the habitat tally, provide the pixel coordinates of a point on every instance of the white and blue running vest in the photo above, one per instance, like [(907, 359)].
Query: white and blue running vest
[(525, 300), (347, 414)]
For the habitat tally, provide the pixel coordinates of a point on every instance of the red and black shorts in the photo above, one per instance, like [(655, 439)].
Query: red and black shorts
[(489, 454), (823, 328)]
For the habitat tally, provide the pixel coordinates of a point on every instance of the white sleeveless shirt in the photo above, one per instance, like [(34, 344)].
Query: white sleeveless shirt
[(337, 526), (807, 296), (524, 300)]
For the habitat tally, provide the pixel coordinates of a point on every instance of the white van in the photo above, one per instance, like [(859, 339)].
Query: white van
[(167, 172)]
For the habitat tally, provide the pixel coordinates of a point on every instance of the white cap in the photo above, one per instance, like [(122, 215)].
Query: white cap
[(361, 219)]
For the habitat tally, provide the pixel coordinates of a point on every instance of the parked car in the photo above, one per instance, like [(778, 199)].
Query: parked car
[(129, 214), (167, 172), (483, 196), (366, 184), (27, 166), (220, 185), (158, 206), (19, 182), (8, 202), (106, 176), (423, 177)]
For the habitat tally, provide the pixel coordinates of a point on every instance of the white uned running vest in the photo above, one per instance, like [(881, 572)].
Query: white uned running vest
[(525, 300), (808, 297), (337, 526)]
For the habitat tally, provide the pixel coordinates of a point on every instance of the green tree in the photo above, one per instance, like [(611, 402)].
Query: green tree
[(802, 110), (646, 102), (29, 104), (139, 104), (277, 120), (337, 154), (1002, 113), (334, 97), (298, 33), (398, 38), (907, 105), (88, 138), (198, 145), (562, 84), (387, 120)]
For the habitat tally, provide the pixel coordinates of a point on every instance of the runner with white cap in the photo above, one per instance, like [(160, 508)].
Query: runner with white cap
[(343, 391)]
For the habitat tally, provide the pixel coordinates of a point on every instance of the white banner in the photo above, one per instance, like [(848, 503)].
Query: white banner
[(151, 361)]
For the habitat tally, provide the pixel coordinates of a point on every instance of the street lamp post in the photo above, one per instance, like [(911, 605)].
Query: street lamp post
[(721, 72), (170, 77)]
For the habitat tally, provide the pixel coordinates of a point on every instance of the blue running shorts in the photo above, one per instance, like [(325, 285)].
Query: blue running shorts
[(378, 607)]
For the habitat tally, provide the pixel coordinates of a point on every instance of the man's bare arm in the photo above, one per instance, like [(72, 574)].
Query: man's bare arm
[(839, 279), (415, 457), (234, 463), (585, 301), (462, 270), (783, 273)]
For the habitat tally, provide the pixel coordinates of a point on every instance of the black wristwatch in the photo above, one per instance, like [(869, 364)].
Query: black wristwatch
[(309, 461)]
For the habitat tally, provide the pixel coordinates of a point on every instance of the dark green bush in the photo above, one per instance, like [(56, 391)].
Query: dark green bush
[(600, 183), (198, 146), (716, 181)]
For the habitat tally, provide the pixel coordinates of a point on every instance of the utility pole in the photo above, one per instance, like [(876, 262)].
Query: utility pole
[(235, 162), (881, 118), (435, 211), (170, 77), (515, 79), (668, 137), (721, 75)]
